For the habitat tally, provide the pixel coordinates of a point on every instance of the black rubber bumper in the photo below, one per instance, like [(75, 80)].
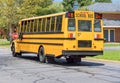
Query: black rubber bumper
[(86, 53)]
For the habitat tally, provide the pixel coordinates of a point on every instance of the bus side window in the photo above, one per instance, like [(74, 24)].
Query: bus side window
[(37, 22), (48, 24), (28, 26), (35, 25), (18, 28), (22, 26), (43, 24), (39, 25), (59, 24), (52, 24), (31, 28)]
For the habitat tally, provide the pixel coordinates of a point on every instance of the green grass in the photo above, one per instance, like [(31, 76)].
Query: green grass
[(4, 43), (110, 55), (111, 44)]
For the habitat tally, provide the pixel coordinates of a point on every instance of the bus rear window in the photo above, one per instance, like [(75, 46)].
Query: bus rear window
[(84, 25), (97, 26), (71, 24)]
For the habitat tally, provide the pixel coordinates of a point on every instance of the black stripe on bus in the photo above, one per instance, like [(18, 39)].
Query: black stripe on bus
[(50, 38), (58, 44), (27, 33), (99, 39)]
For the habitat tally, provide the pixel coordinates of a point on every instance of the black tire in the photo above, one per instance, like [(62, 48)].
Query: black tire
[(14, 54), (77, 60), (70, 60), (50, 59), (19, 54), (41, 55)]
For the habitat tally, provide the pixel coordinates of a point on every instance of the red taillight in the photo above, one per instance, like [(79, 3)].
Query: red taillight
[(70, 14), (98, 16)]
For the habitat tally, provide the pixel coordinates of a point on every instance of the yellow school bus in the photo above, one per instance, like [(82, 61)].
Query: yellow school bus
[(73, 35)]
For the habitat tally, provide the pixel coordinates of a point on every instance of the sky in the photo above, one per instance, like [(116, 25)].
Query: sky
[(114, 1)]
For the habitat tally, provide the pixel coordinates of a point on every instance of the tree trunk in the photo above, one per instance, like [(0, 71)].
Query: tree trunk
[(10, 32)]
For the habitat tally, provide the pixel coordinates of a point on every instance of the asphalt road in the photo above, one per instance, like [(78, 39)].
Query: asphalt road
[(28, 69)]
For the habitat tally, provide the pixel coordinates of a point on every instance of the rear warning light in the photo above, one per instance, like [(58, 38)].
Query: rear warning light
[(70, 14), (98, 16)]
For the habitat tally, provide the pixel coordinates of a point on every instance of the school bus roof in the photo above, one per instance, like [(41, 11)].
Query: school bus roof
[(44, 16), (50, 15)]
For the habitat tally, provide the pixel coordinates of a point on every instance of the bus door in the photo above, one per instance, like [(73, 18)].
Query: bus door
[(84, 34)]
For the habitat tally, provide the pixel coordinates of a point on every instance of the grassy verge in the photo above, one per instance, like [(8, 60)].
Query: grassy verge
[(110, 55), (111, 44), (4, 43)]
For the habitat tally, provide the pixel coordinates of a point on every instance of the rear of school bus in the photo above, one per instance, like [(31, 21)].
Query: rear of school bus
[(84, 28)]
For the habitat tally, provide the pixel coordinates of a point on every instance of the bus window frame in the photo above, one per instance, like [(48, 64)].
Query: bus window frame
[(23, 26), (37, 25), (50, 24)]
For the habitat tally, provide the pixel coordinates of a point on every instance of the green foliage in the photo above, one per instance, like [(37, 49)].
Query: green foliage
[(107, 1), (8, 10), (11, 11), (54, 8), (68, 4)]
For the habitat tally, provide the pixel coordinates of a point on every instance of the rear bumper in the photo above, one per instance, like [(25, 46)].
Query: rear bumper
[(82, 53)]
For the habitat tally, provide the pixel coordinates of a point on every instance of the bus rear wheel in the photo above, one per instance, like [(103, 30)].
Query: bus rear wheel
[(14, 54), (50, 59), (73, 59), (41, 55), (70, 60)]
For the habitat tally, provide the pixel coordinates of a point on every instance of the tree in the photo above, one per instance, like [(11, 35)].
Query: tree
[(107, 1), (68, 4), (31, 8), (11, 11), (54, 8), (8, 13)]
